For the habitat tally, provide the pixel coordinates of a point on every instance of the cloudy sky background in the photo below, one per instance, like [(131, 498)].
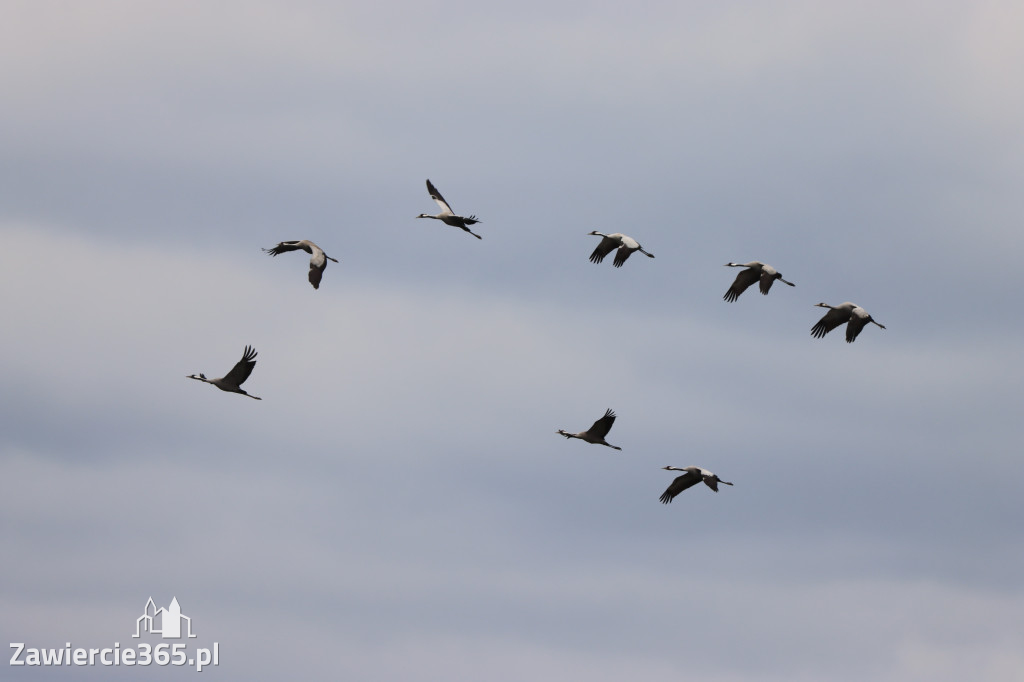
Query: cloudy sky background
[(399, 507)]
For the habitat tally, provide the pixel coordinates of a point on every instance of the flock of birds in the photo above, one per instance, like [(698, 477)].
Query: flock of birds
[(852, 315)]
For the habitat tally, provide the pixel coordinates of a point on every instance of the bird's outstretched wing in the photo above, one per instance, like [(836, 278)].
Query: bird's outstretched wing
[(602, 426), (606, 246), (742, 282), (680, 484), (284, 247), (243, 368), (436, 196), (316, 272), (766, 282), (856, 325), (621, 254), (832, 319), (317, 263)]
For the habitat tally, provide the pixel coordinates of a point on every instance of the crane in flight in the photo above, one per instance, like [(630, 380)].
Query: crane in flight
[(692, 477), (621, 244), (851, 314), (447, 215), (233, 380), (317, 261), (755, 270), (597, 431)]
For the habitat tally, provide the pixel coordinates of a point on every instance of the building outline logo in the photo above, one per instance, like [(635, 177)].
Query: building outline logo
[(169, 618)]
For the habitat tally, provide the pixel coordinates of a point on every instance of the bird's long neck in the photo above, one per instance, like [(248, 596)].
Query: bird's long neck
[(567, 434)]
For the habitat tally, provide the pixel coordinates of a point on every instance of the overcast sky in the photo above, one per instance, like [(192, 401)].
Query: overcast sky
[(399, 507)]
